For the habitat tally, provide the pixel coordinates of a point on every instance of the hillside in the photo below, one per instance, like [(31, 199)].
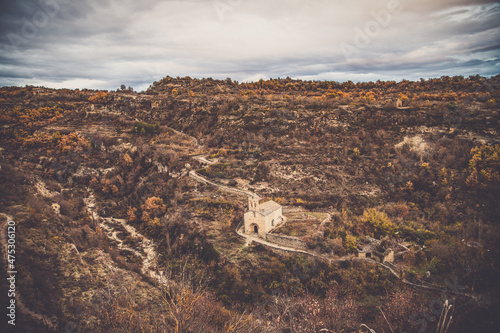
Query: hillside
[(113, 235)]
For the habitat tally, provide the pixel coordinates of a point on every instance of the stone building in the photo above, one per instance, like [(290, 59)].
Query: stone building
[(373, 251), (262, 218)]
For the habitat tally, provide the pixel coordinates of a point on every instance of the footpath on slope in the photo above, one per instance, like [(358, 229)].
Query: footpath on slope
[(146, 252), (249, 238), (193, 174)]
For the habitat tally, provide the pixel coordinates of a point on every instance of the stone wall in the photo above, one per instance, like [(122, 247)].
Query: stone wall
[(389, 256), (286, 241)]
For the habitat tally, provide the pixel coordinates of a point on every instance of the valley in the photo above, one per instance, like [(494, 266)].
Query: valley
[(129, 206)]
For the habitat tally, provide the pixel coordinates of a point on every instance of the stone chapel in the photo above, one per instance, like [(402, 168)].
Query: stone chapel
[(262, 218)]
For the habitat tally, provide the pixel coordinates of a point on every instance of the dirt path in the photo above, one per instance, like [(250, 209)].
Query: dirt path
[(249, 239), (145, 249), (193, 174), (148, 254), (321, 228), (203, 159), (195, 140)]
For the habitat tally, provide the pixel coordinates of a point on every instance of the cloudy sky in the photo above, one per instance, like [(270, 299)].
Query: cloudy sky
[(102, 44)]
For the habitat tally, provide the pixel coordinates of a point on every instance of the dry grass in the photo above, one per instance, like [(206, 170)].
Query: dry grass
[(301, 224)]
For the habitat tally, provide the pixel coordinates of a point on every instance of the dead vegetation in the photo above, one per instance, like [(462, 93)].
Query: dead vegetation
[(425, 175)]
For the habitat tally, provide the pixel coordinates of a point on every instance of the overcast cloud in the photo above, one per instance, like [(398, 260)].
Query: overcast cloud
[(102, 44)]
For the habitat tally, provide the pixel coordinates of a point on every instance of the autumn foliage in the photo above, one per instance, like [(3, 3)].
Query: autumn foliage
[(99, 97), (152, 208), (484, 167)]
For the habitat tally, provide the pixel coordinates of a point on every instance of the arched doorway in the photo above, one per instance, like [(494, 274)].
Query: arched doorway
[(255, 229)]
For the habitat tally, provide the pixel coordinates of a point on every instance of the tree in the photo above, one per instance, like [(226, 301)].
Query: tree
[(99, 98), (379, 221), (128, 160), (153, 207), (350, 243), (484, 167), (181, 302)]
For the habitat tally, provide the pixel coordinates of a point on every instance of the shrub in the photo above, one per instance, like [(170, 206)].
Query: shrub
[(452, 105), (143, 128), (99, 98), (350, 243), (356, 153), (379, 222), (484, 167), (404, 98), (128, 160), (419, 235), (153, 207)]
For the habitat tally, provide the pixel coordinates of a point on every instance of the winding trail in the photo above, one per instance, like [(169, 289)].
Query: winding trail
[(321, 228), (249, 239), (203, 159), (195, 140), (146, 249), (193, 174)]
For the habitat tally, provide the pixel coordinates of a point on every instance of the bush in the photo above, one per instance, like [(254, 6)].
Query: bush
[(484, 167), (379, 222), (143, 128), (99, 97), (350, 243), (419, 235)]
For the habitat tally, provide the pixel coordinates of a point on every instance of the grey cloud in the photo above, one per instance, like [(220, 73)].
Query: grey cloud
[(105, 43)]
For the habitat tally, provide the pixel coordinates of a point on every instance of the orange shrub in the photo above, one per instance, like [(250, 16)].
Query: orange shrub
[(99, 98)]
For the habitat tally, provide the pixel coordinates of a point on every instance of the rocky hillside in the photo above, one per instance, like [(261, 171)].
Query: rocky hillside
[(113, 235)]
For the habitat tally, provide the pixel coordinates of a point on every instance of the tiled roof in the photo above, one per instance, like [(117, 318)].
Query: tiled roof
[(268, 207)]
